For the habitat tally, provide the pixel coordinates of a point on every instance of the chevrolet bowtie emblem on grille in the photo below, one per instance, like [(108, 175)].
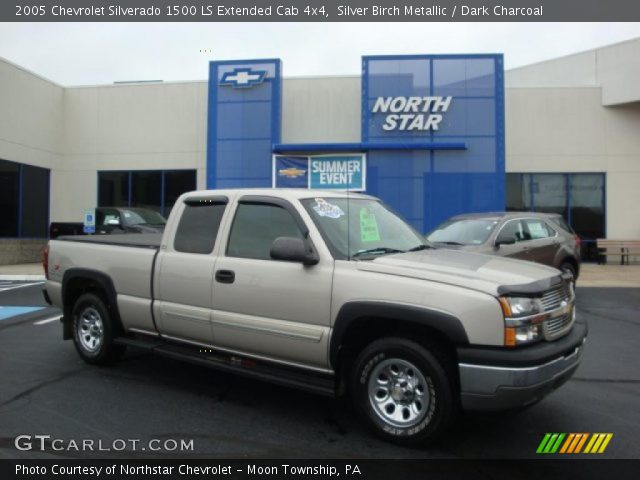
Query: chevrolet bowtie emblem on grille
[(291, 172), (243, 77)]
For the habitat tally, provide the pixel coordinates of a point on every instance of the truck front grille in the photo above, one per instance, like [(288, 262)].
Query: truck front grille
[(553, 299), (559, 297), (554, 328)]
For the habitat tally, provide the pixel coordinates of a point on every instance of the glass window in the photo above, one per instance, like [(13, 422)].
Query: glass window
[(113, 189), (146, 190), (9, 203), (256, 226), (198, 228), (550, 193), (35, 202), (141, 216), (107, 217), (355, 227), (513, 228), (463, 232), (176, 183), (538, 228), (587, 205)]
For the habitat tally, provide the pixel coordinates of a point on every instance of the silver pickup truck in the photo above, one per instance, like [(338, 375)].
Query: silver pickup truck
[(326, 291)]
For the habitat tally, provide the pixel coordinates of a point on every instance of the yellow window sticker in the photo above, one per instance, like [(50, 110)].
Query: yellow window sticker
[(368, 227)]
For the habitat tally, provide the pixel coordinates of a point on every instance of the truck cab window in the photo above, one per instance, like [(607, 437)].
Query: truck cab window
[(198, 228), (256, 226)]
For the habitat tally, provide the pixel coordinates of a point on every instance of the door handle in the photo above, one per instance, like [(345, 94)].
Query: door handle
[(225, 276)]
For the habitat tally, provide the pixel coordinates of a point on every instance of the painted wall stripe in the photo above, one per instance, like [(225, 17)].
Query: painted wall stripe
[(574, 443), (596, 446)]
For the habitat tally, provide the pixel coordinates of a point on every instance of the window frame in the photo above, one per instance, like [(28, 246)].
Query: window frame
[(274, 202)]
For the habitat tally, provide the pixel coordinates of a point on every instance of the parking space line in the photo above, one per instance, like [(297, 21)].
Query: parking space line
[(47, 320), (22, 285)]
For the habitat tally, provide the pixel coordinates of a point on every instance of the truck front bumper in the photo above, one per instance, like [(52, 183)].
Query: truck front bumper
[(499, 379)]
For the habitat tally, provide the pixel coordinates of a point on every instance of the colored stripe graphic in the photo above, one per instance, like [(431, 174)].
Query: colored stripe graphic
[(572, 443)]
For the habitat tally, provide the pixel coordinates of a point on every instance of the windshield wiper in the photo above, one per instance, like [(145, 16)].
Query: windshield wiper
[(419, 247), (451, 243), (378, 250)]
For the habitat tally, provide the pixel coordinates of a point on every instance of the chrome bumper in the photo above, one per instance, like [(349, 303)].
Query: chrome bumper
[(484, 387)]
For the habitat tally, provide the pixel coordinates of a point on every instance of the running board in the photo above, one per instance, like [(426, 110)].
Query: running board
[(315, 382)]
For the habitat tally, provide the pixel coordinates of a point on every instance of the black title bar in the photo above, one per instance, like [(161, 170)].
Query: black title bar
[(319, 11)]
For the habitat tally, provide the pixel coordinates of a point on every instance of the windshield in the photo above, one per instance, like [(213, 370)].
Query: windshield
[(141, 216), (360, 228), (474, 231)]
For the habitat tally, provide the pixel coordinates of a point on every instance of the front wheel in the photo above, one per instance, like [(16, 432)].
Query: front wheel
[(93, 330), (402, 390)]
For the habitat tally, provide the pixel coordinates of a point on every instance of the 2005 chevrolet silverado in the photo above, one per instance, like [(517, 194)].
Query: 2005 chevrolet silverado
[(325, 291)]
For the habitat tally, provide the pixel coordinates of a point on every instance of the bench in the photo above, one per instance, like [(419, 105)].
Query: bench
[(622, 248)]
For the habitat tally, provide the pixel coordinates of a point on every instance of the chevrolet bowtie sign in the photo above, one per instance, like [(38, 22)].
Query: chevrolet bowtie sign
[(243, 78), (412, 113)]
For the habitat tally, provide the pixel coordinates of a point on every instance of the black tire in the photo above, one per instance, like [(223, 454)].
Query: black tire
[(433, 409), (94, 331), (568, 267)]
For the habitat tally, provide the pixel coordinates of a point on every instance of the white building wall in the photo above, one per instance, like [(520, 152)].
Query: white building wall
[(568, 130), (31, 120), (321, 110)]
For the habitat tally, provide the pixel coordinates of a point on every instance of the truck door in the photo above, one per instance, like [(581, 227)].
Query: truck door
[(184, 272), (266, 307)]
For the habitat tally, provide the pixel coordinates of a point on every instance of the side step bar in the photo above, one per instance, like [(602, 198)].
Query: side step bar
[(315, 382)]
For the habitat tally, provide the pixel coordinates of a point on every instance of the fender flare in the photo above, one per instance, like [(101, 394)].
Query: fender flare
[(102, 279), (444, 323)]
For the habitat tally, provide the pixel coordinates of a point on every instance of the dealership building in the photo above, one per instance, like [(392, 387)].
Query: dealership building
[(432, 135)]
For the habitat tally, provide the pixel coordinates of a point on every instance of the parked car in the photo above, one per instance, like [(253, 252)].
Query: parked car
[(325, 291), (539, 237), (110, 220)]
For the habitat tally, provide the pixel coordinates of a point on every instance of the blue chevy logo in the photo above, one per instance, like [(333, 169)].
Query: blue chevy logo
[(243, 77)]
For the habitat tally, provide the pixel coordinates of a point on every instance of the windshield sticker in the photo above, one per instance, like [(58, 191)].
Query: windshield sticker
[(127, 214), (368, 227), (325, 209)]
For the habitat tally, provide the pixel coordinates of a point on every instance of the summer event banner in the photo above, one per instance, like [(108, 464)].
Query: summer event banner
[(328, 172)]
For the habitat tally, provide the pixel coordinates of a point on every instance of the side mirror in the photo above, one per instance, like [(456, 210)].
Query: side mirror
[(293, 249), (505, 240)]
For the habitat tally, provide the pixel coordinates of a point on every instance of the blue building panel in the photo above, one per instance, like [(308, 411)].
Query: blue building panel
[(432, 131), (243, 122), (465, 93)]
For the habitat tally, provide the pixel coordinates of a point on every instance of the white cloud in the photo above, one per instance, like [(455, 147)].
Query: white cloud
[(83, 53)]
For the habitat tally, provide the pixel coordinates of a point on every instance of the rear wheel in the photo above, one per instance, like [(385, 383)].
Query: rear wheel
[(93, 330), (402, 391)]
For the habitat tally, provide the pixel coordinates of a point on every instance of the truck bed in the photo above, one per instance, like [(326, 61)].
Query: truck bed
[(139, 240)]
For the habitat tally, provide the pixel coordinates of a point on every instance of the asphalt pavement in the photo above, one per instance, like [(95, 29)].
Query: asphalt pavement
[(46, 389)]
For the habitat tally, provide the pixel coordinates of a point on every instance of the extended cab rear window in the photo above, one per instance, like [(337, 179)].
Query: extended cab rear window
[(198, 227)]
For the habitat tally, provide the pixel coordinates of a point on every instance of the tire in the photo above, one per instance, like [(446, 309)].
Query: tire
[(94, 331), (567, 267), (403, 391)]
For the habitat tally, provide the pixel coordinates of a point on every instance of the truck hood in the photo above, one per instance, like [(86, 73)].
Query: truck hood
[(485, 273)]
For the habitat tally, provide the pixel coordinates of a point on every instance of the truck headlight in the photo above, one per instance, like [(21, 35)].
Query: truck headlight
[(523, 317)]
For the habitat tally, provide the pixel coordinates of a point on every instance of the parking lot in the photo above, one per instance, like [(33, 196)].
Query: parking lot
[(46, 389)]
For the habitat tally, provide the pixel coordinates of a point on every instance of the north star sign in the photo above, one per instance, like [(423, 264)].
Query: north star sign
[(412, 113)]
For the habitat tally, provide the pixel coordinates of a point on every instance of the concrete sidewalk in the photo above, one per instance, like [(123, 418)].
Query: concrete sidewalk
[(23, 271), (591, 274)]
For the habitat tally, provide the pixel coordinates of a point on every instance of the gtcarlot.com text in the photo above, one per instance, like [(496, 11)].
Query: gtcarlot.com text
[(50, 443)]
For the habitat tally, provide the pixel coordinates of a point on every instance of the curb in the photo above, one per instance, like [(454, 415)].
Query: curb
[(22, 278)]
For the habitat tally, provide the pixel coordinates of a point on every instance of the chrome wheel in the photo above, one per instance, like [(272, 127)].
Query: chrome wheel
[(90, 329), (399, 393)]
